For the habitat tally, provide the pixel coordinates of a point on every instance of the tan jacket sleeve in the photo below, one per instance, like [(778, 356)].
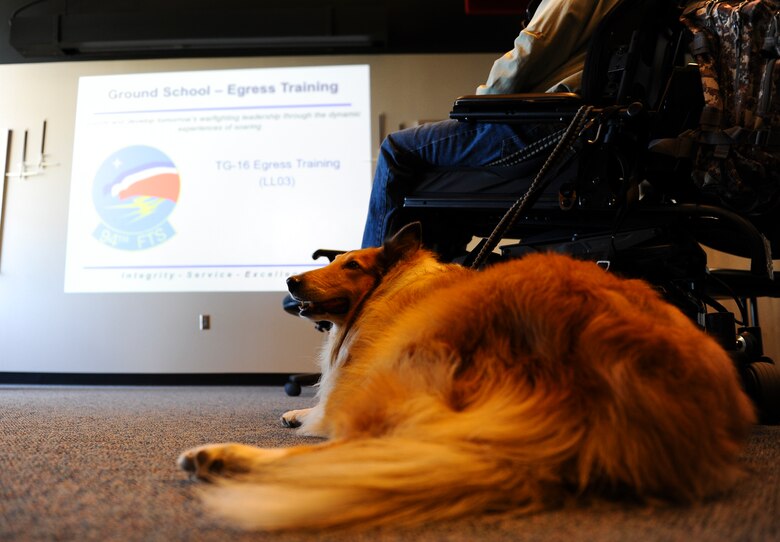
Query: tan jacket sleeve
[(550, 49)]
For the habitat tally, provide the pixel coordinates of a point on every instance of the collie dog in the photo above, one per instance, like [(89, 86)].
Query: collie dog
[(448, 391)]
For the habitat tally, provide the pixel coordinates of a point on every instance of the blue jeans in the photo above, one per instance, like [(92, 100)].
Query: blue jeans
[(403, 155)]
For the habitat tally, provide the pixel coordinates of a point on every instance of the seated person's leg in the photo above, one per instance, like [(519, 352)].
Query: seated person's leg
[(405, 154)]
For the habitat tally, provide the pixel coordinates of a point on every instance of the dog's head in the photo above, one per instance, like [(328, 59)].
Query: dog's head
[(334, 291)]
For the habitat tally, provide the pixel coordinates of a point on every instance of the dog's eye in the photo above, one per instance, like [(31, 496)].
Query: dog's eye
[(352, 264)]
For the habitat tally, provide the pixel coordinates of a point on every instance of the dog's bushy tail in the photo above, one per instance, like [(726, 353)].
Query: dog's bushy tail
[(470, 462), (366, 483)]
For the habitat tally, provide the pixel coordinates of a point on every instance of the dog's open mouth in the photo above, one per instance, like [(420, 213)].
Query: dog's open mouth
[(338, 305)]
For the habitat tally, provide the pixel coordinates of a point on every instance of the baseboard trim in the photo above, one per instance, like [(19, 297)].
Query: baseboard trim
[(146, 379)]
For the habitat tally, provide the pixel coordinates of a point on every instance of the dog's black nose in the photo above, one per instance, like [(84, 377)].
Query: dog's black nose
[(293, 283)]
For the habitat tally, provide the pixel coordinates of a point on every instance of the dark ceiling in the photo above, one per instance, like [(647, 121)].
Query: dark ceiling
[(52, 30)]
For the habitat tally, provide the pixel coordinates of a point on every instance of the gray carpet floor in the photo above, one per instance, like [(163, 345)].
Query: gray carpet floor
[(81, 463)]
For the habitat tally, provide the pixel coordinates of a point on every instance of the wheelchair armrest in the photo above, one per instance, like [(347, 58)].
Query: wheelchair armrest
[(328, 253), (542, 106), (740, 283)]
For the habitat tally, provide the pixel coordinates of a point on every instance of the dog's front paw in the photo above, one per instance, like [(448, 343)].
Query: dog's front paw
[(294, 418), (217, 460)]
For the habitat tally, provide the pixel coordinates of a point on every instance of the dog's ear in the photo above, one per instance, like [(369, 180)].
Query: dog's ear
[(406, 241)]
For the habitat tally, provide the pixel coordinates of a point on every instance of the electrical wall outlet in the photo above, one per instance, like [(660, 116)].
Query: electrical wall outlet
[(204, 320)]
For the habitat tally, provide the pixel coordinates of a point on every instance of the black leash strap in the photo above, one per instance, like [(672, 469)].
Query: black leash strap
[(564, 144)]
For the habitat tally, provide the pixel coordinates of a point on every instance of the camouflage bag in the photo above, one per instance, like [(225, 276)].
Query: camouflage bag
[(736, 46)]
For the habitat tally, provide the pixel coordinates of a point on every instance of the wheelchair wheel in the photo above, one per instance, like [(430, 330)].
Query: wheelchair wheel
[(762, 383)]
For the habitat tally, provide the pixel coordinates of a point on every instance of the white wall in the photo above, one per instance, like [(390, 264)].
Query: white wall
[(44, 330)]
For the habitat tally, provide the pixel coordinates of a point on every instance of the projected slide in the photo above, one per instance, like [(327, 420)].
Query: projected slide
[(221, 180)]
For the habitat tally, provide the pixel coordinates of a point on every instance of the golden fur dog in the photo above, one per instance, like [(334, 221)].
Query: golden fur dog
[(447, 391)]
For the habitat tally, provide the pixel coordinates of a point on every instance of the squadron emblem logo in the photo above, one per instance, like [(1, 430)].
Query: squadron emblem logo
[(135, 191)]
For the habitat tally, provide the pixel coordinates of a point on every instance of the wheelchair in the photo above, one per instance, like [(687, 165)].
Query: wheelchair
[(618, 192)]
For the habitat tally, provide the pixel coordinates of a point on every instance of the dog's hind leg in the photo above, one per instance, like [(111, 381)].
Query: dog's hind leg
[(229, 460), (215, 460)]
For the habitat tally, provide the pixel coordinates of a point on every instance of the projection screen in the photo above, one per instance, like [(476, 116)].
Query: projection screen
[(215, 181)]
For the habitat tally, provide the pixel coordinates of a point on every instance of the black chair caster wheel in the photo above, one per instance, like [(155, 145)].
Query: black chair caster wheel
[(293, 389)]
